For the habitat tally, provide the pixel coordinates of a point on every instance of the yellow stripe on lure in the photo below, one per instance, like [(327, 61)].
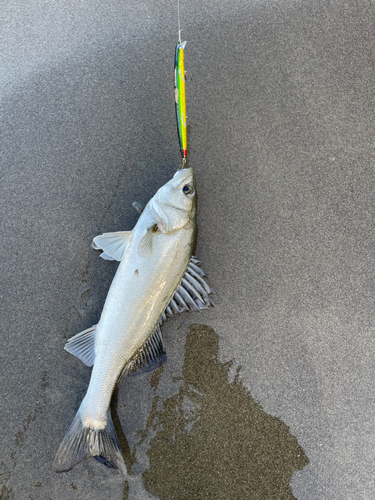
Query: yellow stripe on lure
[(180, 100)]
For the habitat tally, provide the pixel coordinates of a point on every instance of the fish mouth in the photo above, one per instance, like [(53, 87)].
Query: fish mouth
[(182, 175), (183, 172)]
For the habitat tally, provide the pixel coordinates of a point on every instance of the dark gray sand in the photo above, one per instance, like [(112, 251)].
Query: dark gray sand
[(233, 449), (280, 99)]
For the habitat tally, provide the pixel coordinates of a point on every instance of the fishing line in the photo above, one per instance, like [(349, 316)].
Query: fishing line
[(179, 91), (178, 19)]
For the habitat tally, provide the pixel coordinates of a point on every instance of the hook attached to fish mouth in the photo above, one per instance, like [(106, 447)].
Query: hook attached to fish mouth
[(185, 170), (183, 166)]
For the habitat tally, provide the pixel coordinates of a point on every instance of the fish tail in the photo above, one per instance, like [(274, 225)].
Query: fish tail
[(81, 442)]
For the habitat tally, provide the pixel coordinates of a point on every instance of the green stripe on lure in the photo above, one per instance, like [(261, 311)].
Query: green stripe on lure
[(180, 100)]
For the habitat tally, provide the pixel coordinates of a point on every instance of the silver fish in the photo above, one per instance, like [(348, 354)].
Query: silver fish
[(157, 277)]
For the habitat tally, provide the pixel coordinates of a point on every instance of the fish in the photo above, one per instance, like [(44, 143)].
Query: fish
[(158, 276)]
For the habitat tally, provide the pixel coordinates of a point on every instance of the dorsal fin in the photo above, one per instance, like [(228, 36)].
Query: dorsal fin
[(152, 355), (191, 294)]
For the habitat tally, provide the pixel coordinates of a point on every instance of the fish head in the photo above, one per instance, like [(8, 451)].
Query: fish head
[(174, 205)]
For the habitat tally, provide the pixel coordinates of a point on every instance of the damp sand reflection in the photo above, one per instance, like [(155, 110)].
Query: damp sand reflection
[(212, 440)]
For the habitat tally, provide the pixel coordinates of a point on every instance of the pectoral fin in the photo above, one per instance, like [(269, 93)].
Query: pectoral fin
[(112, 244), (145, 245)]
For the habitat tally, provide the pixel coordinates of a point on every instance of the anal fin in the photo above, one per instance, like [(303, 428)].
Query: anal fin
[(82, 345)]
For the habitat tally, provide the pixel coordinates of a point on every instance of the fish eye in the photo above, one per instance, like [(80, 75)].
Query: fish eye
[(187, 189)]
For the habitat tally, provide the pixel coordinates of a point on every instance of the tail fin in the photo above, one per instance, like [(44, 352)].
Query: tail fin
[(81, 442)]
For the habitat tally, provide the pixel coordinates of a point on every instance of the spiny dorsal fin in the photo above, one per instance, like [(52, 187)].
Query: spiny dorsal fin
[(151, 356), (191, 294), (113, 244), (82, 345)]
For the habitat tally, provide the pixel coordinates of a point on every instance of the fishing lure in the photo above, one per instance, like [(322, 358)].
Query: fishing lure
[(180, 99)]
